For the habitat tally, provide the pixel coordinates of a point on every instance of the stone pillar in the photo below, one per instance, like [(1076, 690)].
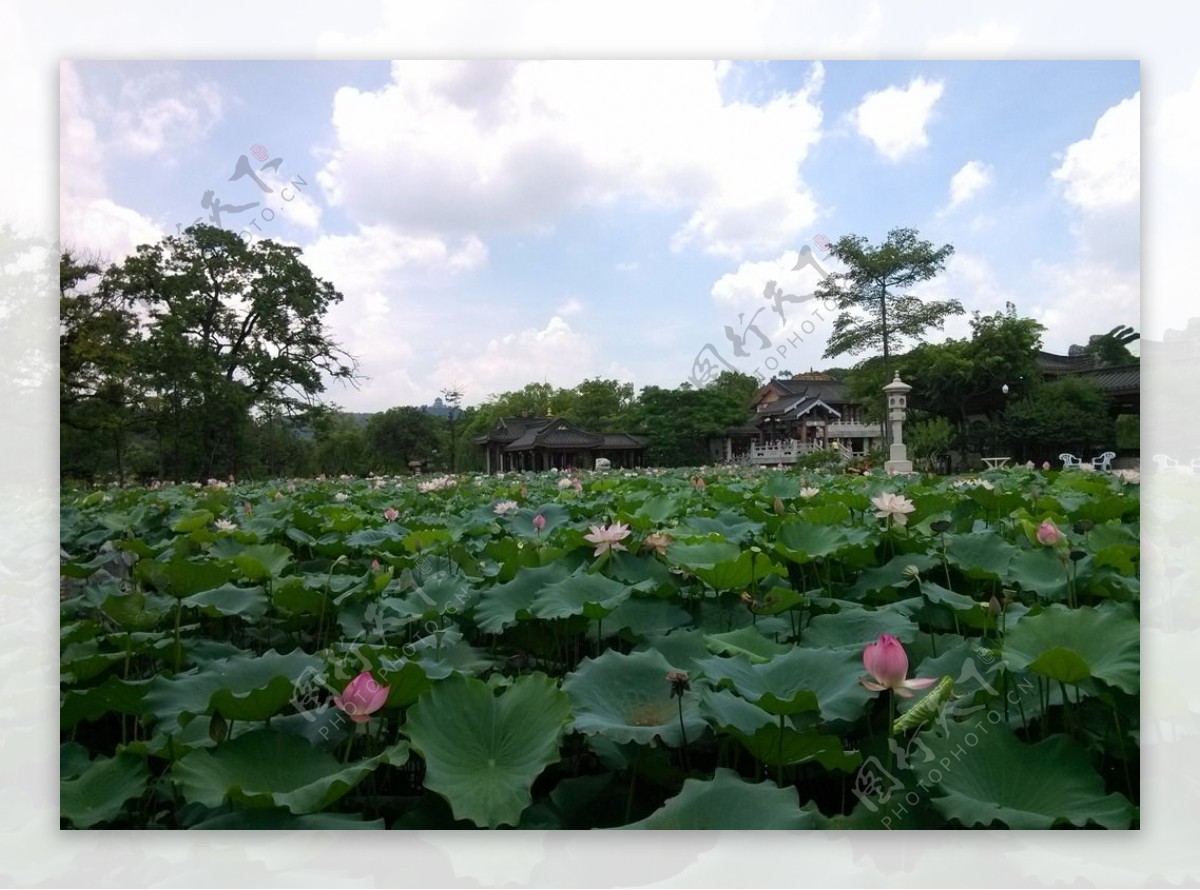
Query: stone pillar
[(897, 402)]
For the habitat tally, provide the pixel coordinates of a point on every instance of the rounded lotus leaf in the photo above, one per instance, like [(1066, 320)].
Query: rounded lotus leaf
[(627, 698)]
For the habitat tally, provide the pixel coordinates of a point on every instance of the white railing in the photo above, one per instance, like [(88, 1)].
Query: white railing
[(786, 451)]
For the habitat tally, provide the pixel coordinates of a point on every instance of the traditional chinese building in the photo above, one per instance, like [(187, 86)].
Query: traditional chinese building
[(543, 443), (795, 416)]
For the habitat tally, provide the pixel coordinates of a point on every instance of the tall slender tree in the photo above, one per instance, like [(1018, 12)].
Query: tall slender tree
[(875, 312)]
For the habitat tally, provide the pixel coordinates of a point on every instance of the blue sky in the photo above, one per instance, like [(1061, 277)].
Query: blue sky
[(492, 224)]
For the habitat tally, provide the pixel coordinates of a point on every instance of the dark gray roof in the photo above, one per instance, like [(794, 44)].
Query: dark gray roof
[(622, 440), (829, 391)]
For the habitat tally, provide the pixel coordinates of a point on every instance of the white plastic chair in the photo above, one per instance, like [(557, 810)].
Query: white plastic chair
[(1104, 461), (1069, 461)]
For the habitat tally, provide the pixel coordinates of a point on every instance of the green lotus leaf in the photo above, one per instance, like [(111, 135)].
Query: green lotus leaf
[(745, 641), (484, 751), (980, 554), (242, 687), (704, 555), (727, 801), (726, 709), (114, 695), (799, 680), (502, 605), (803, 542), (659, 509), (555, 516), (73, 759), (262, 562), (249, 603), (776, 746), (627, 698), (781, 485), (645, 616), (982, 774), (181, 577), (726, 524), (593, 596), (1040, 571), (853, 628), (264, 768), (187, 522), (100, 792), (738, 574), (1070, 645)]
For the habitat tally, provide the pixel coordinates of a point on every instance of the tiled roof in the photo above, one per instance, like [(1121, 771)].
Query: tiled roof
[(623, 440), (1118, 379)]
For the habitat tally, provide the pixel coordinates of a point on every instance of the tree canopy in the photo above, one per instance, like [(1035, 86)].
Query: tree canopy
[(875, 312), (206, 332)]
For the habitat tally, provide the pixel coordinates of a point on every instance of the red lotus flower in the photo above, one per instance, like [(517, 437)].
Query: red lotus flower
[(362, 697), (887, 662)]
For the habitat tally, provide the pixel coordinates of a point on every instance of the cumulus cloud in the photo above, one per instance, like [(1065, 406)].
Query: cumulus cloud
[(90, 221), (894, 119), (448, 148), (1104, 170), (381, 258), (1100, 179), (971, 179), (555, 353)]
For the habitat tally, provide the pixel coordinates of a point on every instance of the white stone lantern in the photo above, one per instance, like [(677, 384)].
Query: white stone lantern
[(897, 404)]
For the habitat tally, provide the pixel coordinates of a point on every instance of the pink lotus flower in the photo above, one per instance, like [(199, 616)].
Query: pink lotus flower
[(894, 505), (607, 537), (374, 565), (1048, 533), (539, 523), (887, 662), (1045, 465), (390, 514), (362, 697)]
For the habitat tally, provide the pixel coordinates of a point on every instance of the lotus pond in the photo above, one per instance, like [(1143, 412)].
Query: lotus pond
[(720, 648)]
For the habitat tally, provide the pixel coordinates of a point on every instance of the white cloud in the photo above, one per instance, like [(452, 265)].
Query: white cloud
[(570, 306), (894, 119), (90, 221), (448, 148), (972, 178), (159, 110), (1104, 170), (556, 354), (380, 258)]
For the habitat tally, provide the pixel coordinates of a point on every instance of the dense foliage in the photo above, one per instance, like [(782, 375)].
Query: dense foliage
[(699, 649)]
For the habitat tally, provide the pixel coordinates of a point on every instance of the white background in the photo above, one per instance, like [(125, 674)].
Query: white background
[(35, 36)]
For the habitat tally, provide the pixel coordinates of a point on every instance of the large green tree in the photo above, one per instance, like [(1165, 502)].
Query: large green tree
[(400, 435), (101, 388), (227, 328), (875, 312), (1066, 415)]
